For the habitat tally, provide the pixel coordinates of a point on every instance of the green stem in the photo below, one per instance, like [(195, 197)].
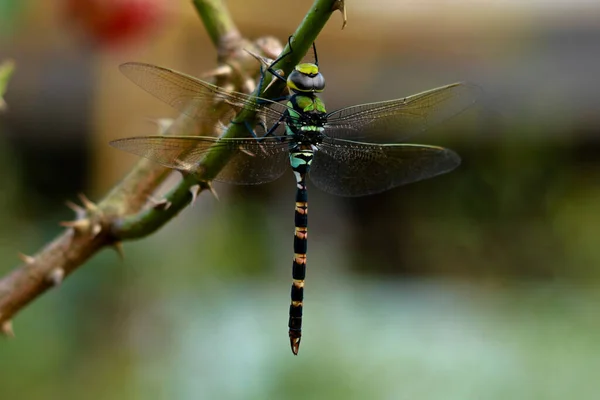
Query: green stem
[(217, 20), (150, 220)]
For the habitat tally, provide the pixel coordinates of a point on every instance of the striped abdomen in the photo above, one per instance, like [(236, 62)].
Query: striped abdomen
[(300, 160)]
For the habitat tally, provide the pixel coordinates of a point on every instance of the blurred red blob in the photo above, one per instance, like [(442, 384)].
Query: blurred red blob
[(116, 22)]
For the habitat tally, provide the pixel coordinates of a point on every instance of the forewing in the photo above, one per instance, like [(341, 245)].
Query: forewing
[(193, 97), (246, 161), (348, 168), (395, 120)]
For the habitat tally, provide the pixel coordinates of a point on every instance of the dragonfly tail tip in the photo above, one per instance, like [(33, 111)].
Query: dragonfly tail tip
[(295, 343)]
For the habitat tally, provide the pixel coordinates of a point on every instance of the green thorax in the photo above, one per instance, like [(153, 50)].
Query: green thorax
[(307, 104)]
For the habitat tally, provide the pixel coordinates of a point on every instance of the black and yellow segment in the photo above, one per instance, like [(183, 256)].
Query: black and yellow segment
[(300, 161)]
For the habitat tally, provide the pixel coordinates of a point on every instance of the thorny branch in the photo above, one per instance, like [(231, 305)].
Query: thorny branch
[(123, 213)]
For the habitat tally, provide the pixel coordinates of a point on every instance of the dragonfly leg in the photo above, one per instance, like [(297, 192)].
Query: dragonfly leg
[(272, 130), (248, 127), (281, 57)]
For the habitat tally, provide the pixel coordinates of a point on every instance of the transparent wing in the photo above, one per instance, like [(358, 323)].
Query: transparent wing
[(245, 161), (196, 98), (347, 168), (395, 120)]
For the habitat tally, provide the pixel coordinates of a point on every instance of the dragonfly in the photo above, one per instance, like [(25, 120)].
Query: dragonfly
[(344, 152)]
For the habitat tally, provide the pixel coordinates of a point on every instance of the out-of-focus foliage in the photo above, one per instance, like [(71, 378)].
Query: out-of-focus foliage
[(6, 70), (112, 22), (482, 283)]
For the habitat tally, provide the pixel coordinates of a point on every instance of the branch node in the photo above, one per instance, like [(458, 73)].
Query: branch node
[(56, 276), (88, 220), (7, 329), (26, 259)]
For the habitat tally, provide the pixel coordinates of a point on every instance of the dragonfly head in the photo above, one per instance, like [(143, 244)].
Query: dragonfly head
[(306, 78)]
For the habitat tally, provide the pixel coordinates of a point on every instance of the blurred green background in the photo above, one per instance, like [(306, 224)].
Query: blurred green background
[(479, 284)]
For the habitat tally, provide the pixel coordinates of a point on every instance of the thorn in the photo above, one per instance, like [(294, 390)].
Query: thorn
[(89, 205), (273, 81), (221, 71), (263, 60), (195, 191), (7, 329), (79, 225), (55, 277), (211, 188), (79, 211), (118, 246), (96, 229), (26, 259), (163, 204), (341, 6)]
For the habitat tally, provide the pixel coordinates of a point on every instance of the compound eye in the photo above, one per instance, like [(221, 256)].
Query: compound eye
[(319, 82)]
